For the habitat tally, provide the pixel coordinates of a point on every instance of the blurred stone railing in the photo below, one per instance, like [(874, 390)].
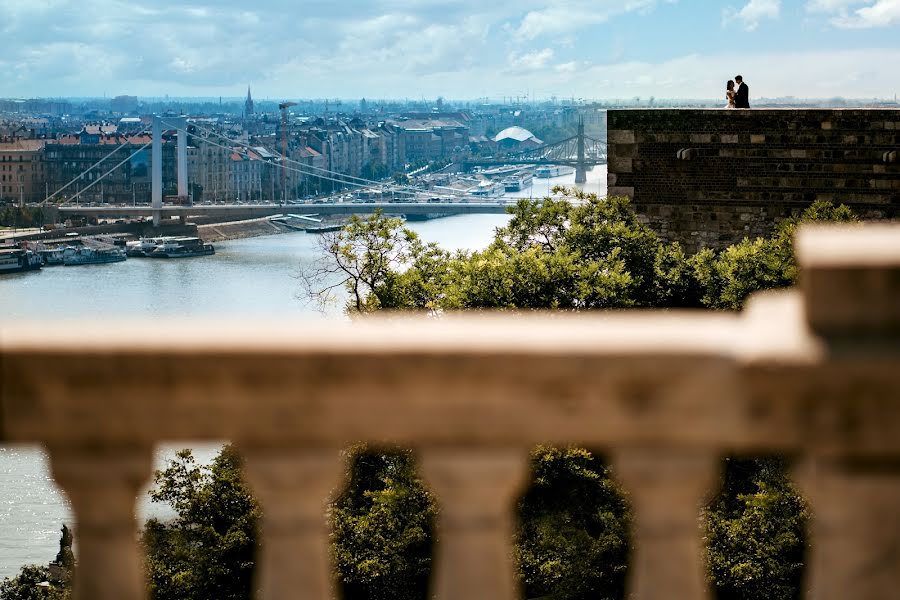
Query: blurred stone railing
[(813, 374)]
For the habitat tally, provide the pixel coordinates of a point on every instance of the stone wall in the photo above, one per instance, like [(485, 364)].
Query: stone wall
[(708, 178)]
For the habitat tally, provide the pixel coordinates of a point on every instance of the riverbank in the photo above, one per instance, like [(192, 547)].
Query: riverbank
[(250, 228), (236, 230)]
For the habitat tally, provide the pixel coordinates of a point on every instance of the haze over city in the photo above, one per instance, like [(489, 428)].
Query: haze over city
[(462, 49)]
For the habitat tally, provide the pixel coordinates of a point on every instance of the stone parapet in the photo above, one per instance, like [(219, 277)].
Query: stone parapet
[(722, 175)]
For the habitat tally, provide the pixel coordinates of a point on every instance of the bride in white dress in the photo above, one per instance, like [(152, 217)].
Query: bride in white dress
[(730, 94)]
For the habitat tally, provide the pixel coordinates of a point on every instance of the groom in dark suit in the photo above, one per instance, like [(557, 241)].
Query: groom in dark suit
[(742, 97)]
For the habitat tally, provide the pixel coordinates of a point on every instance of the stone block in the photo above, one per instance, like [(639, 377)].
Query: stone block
[(620, 165), (621, 191), (620, 136), (757, 139)]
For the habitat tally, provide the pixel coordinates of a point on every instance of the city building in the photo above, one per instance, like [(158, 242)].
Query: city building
[(124, 105), (248, 105), (22, 171), (72, 160), (209, 169), (516, 139), (246, 174), (424, 140)]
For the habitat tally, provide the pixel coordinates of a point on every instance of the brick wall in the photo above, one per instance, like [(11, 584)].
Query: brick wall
[(712, 177)]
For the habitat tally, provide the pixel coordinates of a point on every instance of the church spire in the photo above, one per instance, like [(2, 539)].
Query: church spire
[(248, 105)]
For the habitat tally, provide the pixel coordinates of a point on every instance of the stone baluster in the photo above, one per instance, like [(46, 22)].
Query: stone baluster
[(850, 280), (667, 488), (294, 486), (855, 529), (476, 491), (102, 483)]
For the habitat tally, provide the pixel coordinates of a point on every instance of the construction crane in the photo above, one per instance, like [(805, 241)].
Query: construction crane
[(283, 107)]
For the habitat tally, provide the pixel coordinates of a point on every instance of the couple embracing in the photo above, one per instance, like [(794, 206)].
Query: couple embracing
[(740, 97)]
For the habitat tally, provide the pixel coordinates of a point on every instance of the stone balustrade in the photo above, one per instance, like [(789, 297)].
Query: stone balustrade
[(812, 373)]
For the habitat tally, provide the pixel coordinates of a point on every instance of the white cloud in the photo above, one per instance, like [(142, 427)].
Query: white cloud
[(883, 13), (559, 18), (832, 6), (567, 67), (753, 13), (531, 61)]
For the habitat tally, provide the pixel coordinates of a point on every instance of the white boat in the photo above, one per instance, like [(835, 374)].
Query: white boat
[(53, 256), (553, 171), (486, 189), (86, 255), (182, 247), (144, 246), (515, 183), (16, 260)]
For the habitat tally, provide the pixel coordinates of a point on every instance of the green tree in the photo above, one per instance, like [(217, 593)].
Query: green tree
[(572, 538), (755, 533), (727, 278), (52, 582), (207, 550), (26, 586), (383, 528)]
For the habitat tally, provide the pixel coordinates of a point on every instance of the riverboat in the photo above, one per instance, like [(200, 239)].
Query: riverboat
[(182, 247), (486, 189), (144, 246), (515, 183), (16, 260), (87, 255), (53, 256), (553, 171)]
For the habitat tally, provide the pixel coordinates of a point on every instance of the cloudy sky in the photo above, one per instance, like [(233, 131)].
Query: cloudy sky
[(458, 49)]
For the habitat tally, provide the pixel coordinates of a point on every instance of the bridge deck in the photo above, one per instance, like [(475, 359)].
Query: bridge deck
[(346, 208)]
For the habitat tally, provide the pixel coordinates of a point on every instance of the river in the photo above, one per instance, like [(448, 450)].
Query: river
[(245, 278)]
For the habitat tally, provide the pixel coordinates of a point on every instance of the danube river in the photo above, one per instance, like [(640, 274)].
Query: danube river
[(247, 278)]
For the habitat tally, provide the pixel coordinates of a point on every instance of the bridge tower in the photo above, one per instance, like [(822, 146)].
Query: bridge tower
[(580, 167), (156, 183)]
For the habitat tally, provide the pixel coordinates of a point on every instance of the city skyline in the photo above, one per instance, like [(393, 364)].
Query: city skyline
[(463, 49)]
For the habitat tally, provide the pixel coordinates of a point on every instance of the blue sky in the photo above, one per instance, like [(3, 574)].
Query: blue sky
[(457, 49)]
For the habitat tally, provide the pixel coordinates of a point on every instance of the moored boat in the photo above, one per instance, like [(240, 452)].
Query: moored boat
[(182, 247), (87, 255), (549, 171), (144, 246), (515, 183), (53, 256), (16, 260)]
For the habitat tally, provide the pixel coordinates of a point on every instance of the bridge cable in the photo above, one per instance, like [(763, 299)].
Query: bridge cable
[(345, 177), (286, 167), (95, 165), (99, 179)]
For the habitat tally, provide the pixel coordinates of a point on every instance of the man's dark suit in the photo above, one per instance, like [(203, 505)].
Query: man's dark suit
[(742, 98)]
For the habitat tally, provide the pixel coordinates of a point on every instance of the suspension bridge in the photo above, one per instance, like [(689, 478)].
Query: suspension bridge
[(414, 201), (579, 151)]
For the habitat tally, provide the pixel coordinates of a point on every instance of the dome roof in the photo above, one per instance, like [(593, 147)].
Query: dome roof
[(519, 134)]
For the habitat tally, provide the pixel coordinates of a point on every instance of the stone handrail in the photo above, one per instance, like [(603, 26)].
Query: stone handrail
[(812, 373)]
